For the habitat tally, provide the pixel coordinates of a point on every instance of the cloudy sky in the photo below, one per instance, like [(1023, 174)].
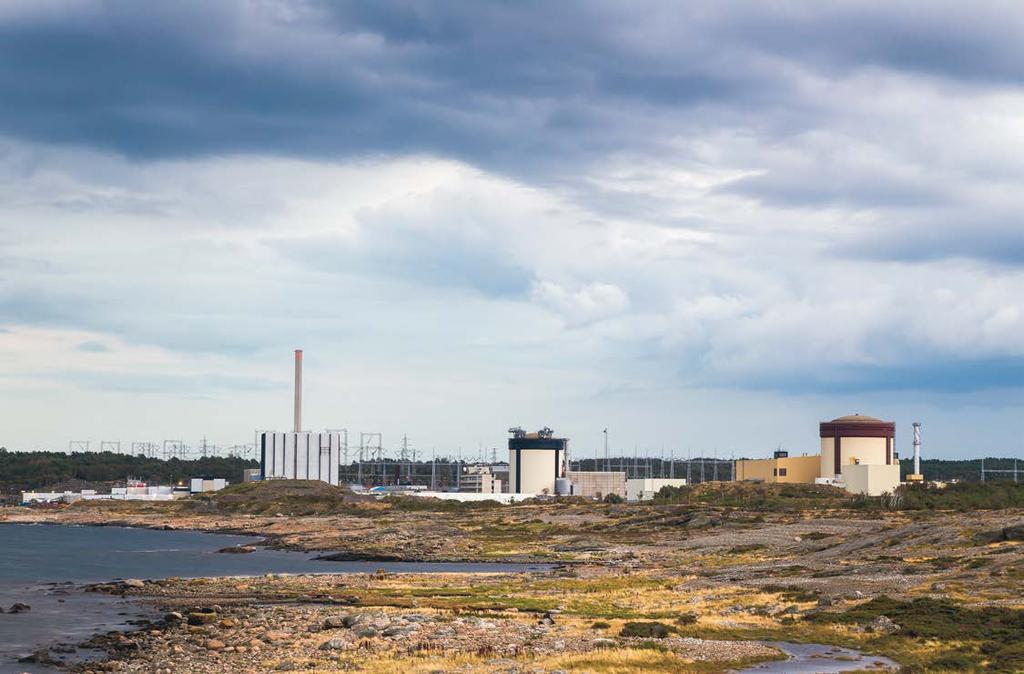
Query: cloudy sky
[(705, 226)]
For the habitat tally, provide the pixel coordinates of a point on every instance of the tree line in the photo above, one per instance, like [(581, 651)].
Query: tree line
[(26, 471)]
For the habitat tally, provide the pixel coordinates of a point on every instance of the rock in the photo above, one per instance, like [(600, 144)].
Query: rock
[(133, 582), (883, 625), (237, 550), (215, 645), (334, 645), (1014, 532), (228, 623), (173, 617), (366, 632), (398, 631), (201, 617), (334, 622), (40, 657), (276, 635), (18, 607)]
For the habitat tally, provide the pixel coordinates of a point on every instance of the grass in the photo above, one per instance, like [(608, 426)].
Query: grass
[(987, 639)]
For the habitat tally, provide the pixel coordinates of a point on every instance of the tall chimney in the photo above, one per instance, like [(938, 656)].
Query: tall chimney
[(917, 448), (298, 390)]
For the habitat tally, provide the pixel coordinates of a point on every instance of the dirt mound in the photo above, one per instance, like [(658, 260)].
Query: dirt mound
[(285, 497)]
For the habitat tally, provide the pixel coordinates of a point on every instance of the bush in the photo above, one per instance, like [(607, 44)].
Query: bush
[(599, 625), (686, 618), (645, 630), (613, 498)]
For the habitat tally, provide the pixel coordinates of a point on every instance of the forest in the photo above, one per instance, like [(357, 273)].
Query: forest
[(24, 471)]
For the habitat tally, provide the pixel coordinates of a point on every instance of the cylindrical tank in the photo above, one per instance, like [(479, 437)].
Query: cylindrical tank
[(563, 486)]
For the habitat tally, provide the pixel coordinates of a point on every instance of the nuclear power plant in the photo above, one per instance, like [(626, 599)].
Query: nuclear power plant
[(857, 453)]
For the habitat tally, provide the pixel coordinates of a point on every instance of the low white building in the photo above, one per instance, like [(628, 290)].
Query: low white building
[(467, 497), (200, 485), (644, 488)]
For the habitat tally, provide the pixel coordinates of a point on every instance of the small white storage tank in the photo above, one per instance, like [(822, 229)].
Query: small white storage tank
[(563, 486)]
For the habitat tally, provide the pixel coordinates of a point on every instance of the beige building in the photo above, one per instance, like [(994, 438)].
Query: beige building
[(779, 469), (855, 439), (479, 479), (645, 488), (871, 479), (535, 461), (598, 483)]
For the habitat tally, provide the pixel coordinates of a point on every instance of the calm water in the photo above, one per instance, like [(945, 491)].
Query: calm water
[(821, 659), (36, 560)]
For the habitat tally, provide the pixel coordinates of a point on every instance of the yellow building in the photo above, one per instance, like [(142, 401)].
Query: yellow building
[(781, 468)]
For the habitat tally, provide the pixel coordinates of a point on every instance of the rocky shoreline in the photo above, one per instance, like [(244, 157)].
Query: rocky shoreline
[(259, 625)]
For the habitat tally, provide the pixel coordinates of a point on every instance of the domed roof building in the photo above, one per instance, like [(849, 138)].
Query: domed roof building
[(855, 439)]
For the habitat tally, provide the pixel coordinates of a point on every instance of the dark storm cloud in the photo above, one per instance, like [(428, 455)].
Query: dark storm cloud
[(499, 85)]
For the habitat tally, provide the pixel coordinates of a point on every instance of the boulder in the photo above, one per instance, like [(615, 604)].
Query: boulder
[(334, 622), (883, 625), (133, 582), (334, 645), (18, 607)]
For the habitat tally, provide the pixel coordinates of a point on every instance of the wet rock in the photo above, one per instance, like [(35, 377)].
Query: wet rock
[(237, 550), (19, 607), (40, 657), (133, 582), (173, 617)]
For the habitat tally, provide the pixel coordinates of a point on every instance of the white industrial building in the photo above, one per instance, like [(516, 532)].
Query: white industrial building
[(299, 455)]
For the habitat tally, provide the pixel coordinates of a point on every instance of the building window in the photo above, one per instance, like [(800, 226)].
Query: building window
[(782, 472), (775, 472)]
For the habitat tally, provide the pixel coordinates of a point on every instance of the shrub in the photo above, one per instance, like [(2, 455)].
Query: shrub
[(645, 630), (686, 618), (599, 625), (613, 498)]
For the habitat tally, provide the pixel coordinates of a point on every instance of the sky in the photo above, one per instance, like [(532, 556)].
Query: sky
[(703, 226)]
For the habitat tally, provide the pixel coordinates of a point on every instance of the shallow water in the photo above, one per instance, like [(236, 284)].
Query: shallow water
[(35, 557), (820, 659)]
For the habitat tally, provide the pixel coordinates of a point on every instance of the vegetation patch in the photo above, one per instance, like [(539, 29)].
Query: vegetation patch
[(988, 639), (646, 630)]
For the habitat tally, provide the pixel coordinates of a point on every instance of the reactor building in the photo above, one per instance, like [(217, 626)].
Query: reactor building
[(537, 462), (299, 455)]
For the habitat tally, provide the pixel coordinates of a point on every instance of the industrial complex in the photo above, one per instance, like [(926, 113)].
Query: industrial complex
[(857, 453)]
